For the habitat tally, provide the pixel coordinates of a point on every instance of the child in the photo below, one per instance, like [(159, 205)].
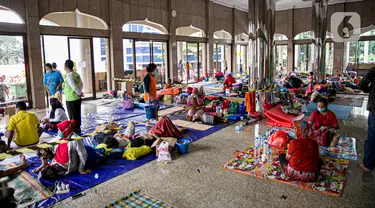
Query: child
[(169, 84)]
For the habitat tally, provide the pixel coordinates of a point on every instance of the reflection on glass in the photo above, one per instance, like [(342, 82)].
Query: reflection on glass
[(281, 59), (142, 58), (202, 64), (222, 57), (302, 57), (160, 59), (192, 62), (80, 53), (12, 69), (128, 58), (101, 65), (241, 59), (329, 58)]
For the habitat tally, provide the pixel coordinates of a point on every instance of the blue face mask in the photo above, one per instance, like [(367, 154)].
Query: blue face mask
[(60, 134), (49, 71), (322, 110)]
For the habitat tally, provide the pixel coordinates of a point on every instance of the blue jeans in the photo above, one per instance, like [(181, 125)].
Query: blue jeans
[(369, 158)]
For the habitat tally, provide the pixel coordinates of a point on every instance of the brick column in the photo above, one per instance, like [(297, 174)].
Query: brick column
[(116, 45), (34, 54)]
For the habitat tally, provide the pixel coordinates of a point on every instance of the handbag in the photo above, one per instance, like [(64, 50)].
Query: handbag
[(128, 103)]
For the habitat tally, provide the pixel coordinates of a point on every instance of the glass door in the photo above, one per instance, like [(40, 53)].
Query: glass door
[(80, 52), (192, 62), (160, 58), (13, 82), (142, 58), (302, 59), (281, 59)]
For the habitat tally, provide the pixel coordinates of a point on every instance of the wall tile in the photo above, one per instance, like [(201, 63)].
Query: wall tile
[(182, 6), (70, 5), (56, 5), (104, 5), (83, 6), (142, 12), (165, 4), (158, 16), (95, 8), (43, 8), (157, 4), (126, 12), (143, 2), (150, 14), (133, 12)]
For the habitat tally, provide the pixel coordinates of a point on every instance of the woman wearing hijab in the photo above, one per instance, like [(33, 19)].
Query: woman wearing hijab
[(194, 105), (56, 116), (66, 158)]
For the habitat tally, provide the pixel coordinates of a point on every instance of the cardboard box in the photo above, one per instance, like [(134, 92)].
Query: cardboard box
[(172, 141), (10, 111), (168, 99)]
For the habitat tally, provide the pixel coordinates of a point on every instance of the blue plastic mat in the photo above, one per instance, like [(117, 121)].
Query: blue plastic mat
[(112, 167), (347, 149), (342, 112)]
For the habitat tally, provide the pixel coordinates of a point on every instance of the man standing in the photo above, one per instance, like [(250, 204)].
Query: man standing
[(367, 85), (52, 82), (149, 85), (24, 126), (73, 93)]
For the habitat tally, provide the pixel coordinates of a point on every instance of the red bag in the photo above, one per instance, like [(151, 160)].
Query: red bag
[(321, 137), (278, 140)]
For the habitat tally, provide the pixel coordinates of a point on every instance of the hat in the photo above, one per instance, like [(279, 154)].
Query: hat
[(230, 73), (66, 126)]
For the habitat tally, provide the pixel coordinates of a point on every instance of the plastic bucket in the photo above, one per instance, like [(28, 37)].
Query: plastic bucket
[(150, 112), (183, 146)]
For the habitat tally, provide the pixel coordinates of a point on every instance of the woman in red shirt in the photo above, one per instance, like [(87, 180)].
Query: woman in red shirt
[(324, 122), (302, 163)]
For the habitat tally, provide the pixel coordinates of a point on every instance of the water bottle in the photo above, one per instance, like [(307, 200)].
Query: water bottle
[(257, 143)]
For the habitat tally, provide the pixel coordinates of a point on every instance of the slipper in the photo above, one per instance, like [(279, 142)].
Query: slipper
[(364, 169)]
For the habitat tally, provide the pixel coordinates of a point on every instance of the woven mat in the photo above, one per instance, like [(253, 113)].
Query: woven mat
[(347, 149), (191, 125), (139, 199), (27, 189), (330, 181)]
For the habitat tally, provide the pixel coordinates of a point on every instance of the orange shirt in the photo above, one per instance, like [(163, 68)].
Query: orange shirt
[(151, 87)]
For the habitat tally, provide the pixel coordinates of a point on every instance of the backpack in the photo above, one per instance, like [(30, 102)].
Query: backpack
[(233, 107)]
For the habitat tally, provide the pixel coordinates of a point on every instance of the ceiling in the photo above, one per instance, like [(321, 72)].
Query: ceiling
[(280, 4)]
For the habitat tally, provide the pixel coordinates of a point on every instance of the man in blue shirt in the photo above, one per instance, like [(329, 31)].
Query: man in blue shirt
[(52, 81)]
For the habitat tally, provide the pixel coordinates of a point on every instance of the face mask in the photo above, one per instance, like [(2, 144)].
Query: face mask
[(49, 71), (322, 110), (61, 135)]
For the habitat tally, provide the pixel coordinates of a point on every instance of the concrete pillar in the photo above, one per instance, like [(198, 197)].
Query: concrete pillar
[(210, 56), (116, 45), (34, 54), (172, 42), (290, 55), (234, 46), (339, 56)]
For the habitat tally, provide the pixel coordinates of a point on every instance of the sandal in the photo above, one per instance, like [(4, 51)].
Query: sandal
[(364, 169)]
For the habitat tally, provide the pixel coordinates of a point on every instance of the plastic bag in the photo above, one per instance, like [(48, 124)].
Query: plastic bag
[(130, 129), (208, 118), (242, 108), (302, 129), (278, 140), (164, 155)]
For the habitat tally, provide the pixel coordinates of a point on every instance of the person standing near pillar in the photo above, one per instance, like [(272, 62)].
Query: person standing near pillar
[(73, 93), (367, 85)]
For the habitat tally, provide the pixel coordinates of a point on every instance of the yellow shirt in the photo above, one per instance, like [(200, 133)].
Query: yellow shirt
[(25, 124)]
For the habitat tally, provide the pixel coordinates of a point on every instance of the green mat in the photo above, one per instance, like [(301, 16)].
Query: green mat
[(139, 199)]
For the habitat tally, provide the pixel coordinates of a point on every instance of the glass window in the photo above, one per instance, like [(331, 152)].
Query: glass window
[(160, 58), (139, 28), (302, 57), (8, 16), (128, 58), (13, 85), (329, 58), (281, 59), (101, 66), (303, 35), (143, 57)]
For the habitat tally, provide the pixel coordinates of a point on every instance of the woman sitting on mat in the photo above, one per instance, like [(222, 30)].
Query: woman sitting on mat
[(194, 106), (56, 116), (228, 82), (324, 124), (67, 157), (302, 163)]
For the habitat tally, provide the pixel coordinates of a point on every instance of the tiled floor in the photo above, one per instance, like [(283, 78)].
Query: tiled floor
[(196, 179)]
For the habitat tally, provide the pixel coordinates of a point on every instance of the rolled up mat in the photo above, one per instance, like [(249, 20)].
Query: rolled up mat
[(279, 118)]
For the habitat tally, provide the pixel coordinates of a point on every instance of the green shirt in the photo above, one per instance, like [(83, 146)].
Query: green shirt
[(73, 86)]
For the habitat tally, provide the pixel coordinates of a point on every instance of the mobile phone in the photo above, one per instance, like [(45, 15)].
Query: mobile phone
[(75, 196)]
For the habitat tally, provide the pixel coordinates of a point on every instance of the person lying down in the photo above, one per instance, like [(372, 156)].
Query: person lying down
[(68, 157)]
